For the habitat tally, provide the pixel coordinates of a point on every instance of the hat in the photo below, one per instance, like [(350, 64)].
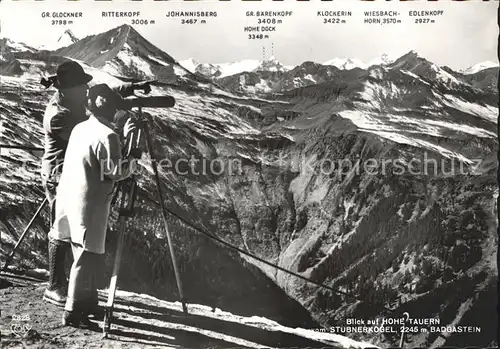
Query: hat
[(70, 74), (102, 96)]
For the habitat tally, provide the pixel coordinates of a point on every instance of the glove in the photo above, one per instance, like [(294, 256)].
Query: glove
[(130, 126), (131, 133)]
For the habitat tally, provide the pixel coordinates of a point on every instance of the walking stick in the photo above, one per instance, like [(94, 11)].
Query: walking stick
[(160, 198), (125, 212), (23, 235), (403, 334)]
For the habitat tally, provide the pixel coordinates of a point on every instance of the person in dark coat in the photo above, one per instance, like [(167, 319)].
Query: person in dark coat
[(65, 110)]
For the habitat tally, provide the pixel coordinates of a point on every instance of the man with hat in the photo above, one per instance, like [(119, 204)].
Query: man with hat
[(93, 163), (65, 110)]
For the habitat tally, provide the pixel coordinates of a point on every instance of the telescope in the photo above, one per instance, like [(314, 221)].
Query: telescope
[(147, 102), (125, 103)]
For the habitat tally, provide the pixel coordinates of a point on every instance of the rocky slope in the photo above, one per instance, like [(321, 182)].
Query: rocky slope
[(290, 182), (261, 82)]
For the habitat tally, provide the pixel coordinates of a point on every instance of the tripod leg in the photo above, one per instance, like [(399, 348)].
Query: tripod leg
[(23, 235), (108, 310), (167, 231)]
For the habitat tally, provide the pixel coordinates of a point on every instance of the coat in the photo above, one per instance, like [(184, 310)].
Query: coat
[(92, 164), (58, 122)]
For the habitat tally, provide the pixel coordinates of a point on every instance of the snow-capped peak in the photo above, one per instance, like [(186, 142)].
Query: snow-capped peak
[(68, 34), (271, 64), (346, 63), (478, 67), (384, 59), (66, 39), (190, 64)]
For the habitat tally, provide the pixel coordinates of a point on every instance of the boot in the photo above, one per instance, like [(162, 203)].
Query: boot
[(92, 307), (75, 318), (92, 303), (58, 288)]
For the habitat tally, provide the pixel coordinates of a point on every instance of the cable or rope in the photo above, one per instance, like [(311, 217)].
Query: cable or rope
[(213, 237), (22, 147)]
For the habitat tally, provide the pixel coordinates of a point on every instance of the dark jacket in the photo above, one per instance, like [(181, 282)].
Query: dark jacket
[(58, 122)]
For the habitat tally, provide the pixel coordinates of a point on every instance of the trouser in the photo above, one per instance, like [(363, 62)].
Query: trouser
[(50, 193), (57, 248), (82, 288)]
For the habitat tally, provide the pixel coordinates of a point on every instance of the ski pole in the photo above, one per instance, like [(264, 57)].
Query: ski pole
[(23, 235), (167, 231)]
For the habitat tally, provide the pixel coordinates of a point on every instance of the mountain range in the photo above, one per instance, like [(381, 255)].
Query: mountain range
[(422, 243), (223, 70)]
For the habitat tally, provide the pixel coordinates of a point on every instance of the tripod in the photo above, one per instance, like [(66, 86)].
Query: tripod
[(126, 209), (128, 191)]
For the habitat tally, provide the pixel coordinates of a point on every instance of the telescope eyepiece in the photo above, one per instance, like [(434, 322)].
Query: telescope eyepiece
[(48, 81)]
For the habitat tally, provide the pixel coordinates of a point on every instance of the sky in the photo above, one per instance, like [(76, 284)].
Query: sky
[(466, 33)]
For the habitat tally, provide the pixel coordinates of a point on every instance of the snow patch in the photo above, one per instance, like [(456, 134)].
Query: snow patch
[(443, 75), (483, 111), (396, 132), (190, 64), (179, 71), (348, 204), (310, 77), (374, 94), (398, 124), (435, 127), (410, 74), (130, 60), (246, 65), (159, 61), (253, 321), (399, 138), (376, 73), (262, 86)]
